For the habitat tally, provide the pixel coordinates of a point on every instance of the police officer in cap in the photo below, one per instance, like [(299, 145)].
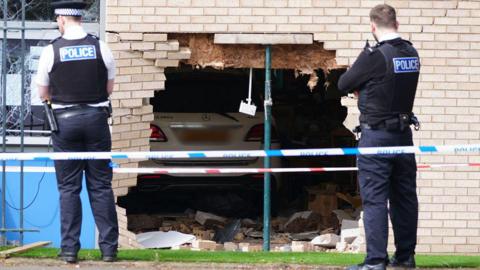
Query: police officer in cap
[(384, 78), (76, 74)]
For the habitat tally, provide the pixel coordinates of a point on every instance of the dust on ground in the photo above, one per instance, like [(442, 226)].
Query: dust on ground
[(51, 264)]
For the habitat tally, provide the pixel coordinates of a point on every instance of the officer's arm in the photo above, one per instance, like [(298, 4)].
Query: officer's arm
[(42, 79), (43, 92), (109, 64), (358, 74), (110, 85)]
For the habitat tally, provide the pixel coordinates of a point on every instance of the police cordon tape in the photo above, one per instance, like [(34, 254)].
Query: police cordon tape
[(32, 169), (391, 150)]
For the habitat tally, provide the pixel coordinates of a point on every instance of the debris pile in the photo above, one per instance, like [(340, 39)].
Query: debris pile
[(323, 227)]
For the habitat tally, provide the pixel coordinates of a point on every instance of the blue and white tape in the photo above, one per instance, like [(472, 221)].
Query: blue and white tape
[(455, 149), (195, 171)]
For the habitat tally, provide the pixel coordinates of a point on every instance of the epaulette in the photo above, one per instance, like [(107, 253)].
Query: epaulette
[(54, 40), (372, 49), (93, 36)]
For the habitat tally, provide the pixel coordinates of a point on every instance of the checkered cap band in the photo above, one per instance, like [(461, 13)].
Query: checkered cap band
[(68, 12)]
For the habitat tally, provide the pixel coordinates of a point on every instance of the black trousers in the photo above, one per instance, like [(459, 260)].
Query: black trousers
[(85, 130), (388, 179)]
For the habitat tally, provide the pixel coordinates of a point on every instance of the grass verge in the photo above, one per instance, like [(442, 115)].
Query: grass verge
[(317, 258)]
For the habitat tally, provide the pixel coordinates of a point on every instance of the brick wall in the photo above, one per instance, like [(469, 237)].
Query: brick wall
[(446, 33)]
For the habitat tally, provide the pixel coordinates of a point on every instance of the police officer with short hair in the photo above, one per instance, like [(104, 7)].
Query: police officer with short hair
[(385, 79), (76, 74)]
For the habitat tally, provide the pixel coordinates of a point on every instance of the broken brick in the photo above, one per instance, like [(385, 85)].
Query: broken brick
[(303, 221)]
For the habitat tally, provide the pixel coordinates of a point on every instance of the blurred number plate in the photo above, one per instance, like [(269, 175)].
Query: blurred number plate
[(204, 136)]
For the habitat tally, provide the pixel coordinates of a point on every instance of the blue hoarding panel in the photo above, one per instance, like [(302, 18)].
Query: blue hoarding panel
[(44, 212)]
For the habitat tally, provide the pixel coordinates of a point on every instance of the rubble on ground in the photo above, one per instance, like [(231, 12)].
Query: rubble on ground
[(321, 227)]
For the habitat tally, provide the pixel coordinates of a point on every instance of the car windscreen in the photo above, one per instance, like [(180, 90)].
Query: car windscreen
[(206, 91)]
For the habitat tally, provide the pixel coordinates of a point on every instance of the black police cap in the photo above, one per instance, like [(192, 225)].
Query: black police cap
[(73, 4)]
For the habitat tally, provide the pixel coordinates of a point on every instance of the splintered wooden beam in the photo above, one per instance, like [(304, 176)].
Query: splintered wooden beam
[(7, 253)]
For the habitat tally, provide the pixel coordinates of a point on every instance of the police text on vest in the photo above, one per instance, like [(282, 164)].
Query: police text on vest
[(76, 53), (406, 64)]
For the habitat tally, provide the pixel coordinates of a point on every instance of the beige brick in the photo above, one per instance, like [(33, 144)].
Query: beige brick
[(154, 85), (120, 144), (129, 19), (350, 36), (123, 63), (422, 248), (123, 46), (160, 76), (430, 223), (129, 103), (166, 27), (140, 126), (183, 53), (142, 46), (171, 45), (143, 94), (227, 3), (473, 249), (191, 11), (155, 37), (154, 54), (325, 36), (130, 70), (112, 38), (321, 3), (142, 10), (455, 223), (429, 240), (143, 27), (216, 11), (443, 232), (130, 86), (264, 28), (120, 95), (468, 21), (152, 69), (129, 119), (143, 110), (154, 19), (216, 28), (442, 248), (166, 63), (203, 19), (458, 240), (137, 142), (324, 20), (129, 54), (421, 20), (141, 62), (130, 135), (119, 10)]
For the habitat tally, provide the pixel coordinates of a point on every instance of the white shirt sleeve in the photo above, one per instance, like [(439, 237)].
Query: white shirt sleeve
[(45, 65), (108, 60)]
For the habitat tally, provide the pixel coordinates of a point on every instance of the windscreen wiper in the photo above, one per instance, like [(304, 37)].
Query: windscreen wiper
[(227, 116)]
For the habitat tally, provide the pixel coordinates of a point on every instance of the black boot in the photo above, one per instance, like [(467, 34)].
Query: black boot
[(364, 266), (408, 263), (109, 257), (68, 257)]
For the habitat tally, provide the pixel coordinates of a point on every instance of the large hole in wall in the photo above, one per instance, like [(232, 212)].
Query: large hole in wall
[(198, 110)]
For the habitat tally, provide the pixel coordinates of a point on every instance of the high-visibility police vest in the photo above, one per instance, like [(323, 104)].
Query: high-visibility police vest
[(79, 74), (395, 93)]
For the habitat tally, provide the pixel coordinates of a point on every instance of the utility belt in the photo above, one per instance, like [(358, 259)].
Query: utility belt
[(400, 123), (77, 110), (64, 113)]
